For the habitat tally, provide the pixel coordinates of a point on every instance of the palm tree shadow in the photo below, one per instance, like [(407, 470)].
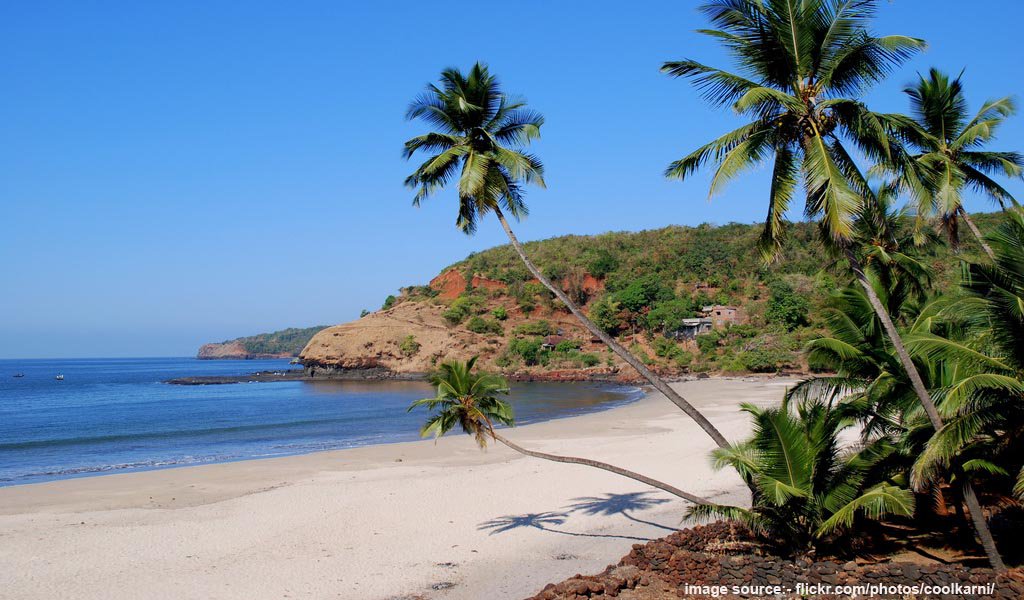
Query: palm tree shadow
[(544, 521), (619, 504)]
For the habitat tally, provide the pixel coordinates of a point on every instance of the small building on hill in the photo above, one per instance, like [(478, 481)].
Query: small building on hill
[(690, 329), (722, 316)]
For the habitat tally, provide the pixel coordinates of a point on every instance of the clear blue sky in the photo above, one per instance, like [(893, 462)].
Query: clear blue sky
[(176, 173)]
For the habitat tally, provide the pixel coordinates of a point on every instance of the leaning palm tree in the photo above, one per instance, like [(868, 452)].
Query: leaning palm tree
[(950, 149), (800, 63), (481, 133), (472, 400)]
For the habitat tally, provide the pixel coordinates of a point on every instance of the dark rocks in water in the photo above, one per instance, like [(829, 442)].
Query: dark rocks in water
[(309, 373), (257, 377), (331, 372)]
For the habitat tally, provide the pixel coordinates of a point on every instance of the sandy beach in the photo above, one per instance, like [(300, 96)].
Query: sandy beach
[(398, 521)]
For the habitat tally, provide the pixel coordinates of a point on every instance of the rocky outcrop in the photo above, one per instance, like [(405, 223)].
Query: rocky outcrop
[(372, 346)]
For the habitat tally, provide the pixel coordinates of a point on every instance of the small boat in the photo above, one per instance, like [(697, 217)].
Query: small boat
[(19, 375), (59, 377)]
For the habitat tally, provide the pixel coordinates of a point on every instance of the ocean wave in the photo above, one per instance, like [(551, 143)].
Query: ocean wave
[(167, 434), (145, 464)]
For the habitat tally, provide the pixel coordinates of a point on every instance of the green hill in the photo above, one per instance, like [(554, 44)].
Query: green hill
[(639, 286)]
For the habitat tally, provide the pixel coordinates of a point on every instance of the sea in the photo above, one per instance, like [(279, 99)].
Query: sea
[(111, 415)]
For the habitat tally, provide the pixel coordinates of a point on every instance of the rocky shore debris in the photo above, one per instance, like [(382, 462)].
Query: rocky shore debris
[(724, 554)]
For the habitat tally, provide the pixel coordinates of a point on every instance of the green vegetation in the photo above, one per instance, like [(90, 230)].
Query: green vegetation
[(289, 341), (409, 346), (389, 302), (928, 364), (786, 307), (532, 351), (485, 326), (465, 305), (534, 328), (807, 493)]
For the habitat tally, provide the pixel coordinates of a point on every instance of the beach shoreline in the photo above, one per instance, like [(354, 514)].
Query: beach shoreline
[(399, 520)]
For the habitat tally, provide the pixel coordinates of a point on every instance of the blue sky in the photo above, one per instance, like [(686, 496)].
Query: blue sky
[(177, 173)]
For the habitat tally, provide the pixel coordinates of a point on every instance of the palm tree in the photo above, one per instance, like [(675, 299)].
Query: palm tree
[(808, 489), (950, 149), (984, 402), (481, 133), (800, 60), (472, 401)]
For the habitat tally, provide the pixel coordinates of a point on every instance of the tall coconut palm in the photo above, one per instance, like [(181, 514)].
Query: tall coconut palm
[(950, 148), (472, 400), (481, 133), (800, 61)]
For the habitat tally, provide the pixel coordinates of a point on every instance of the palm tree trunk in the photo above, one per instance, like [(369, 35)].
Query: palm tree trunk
[(617, 348), (976, 232), (605, 466), (977, 516)]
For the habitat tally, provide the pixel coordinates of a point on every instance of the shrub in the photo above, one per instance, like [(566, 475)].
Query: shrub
[(471, 304), (389, 302), (602, 263), (363, 313), (500, 313), (555, 272), (568, 345), (409, 346), (589, 360), (708, 342), (666, 348), (786, 307), (669, 315), (534, 328), (454, 316), (607, 314), (527, 349), (683, 359), (763, 360), (481, 325), (643, 292)]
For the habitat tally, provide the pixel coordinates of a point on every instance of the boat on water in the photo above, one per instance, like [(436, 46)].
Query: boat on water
[(59, 377), (18, 375)]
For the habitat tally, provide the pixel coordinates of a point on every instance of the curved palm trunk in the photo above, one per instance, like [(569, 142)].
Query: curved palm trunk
[(977, 516), (617, 348), (977, 233), (605, 466)]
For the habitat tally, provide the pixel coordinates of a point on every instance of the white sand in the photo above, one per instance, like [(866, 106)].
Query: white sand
[(382, 522)]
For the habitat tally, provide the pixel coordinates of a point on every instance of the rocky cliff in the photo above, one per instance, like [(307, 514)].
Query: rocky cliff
[(413, 336)]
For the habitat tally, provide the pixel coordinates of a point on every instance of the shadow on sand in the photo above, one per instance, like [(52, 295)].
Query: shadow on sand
[(606, 505)]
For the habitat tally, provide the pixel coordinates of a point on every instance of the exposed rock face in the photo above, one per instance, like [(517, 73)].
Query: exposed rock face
[(235, 350), (452, 282)]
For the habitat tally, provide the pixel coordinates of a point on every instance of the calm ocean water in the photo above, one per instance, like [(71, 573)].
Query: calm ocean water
[(113, 415)]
